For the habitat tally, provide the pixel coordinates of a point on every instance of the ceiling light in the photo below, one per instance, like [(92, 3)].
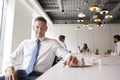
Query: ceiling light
[(97, 20), (80, 20), (85, 24), (94, 8), (108, 16), (85, 2), (81, 15), (78, 9), (99, 24), (63, 12), (104, 11), (95, 16)]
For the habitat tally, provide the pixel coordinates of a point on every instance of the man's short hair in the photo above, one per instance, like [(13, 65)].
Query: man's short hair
[(61, 37), (40, 19), (117, 37)]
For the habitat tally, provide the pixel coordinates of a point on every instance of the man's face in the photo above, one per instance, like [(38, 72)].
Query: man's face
[(40, 28), (63, 40), (115, 40)]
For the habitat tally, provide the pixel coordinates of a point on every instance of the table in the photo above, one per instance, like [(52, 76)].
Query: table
[(108, 70)]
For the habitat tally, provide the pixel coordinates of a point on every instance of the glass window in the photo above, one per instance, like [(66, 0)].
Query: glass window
[(3, 12)]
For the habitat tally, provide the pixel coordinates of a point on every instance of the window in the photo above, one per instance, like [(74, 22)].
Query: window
[(3, 12)]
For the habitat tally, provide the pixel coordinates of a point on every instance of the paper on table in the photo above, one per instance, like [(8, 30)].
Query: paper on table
[(85, 62)]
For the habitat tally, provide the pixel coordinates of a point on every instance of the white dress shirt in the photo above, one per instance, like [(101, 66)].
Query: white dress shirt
[(117, 49), (63, 45), (49, 48)]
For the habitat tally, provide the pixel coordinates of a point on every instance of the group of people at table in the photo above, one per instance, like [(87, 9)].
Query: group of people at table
[(39, 52)]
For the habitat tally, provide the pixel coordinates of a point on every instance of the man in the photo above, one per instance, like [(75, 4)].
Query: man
[(117, 45), (62, 41), (47, 50)]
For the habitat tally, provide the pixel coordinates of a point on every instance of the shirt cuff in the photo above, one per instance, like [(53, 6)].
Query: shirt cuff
[(8, 65)]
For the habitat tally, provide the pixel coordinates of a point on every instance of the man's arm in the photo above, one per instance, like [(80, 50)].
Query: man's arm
[(118, 50), (10, 73), (71, 61)]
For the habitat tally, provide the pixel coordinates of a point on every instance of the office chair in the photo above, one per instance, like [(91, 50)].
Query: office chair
[(56, 60)]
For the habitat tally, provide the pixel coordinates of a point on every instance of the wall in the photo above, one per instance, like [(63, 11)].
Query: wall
[(22, 24), (98, 38)]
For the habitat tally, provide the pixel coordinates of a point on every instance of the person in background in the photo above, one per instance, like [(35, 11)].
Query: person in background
[(85, 48), (108, 52), (117, 45), (97, 52), (34, 64), (62, 41)]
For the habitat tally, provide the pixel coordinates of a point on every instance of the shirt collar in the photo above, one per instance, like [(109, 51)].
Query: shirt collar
[(118, 43), (41, 39)]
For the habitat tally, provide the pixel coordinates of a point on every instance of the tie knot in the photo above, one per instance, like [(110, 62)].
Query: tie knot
[(38, 41)]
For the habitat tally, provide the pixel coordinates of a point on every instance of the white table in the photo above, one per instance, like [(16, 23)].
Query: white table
[(109, 70)]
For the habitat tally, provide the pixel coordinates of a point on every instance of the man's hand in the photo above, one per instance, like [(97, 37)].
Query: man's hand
[(71, 61), (10, 74)]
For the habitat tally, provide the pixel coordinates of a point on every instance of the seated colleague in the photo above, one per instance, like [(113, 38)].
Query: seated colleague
[(85, 48), (46, 50), (108, 52), (117, 45), (97, 52), (62, 41)]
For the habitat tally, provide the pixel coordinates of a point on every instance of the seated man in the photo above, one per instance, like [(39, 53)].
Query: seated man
[(117, 45), (38, 55), (97, 52), (62, 41)]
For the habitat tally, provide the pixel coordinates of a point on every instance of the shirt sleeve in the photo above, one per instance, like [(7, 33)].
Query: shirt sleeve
[(15, 55), (118, 50)]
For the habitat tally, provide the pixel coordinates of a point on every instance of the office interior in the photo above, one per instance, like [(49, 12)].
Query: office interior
[(18, 19)]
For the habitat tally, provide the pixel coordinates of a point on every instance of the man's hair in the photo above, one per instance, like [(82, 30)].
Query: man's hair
[(40, 19), (117, 37), (61, 37)]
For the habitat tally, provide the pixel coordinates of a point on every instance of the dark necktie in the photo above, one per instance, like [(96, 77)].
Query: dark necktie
[(33, 58)]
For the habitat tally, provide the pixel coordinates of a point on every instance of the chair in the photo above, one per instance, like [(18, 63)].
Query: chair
[(56, 60)]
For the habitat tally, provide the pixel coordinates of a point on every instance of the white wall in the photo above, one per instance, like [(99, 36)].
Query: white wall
[(98, 38), (22, 24)]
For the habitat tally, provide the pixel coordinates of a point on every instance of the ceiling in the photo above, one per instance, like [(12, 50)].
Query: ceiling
[(55, 8)]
